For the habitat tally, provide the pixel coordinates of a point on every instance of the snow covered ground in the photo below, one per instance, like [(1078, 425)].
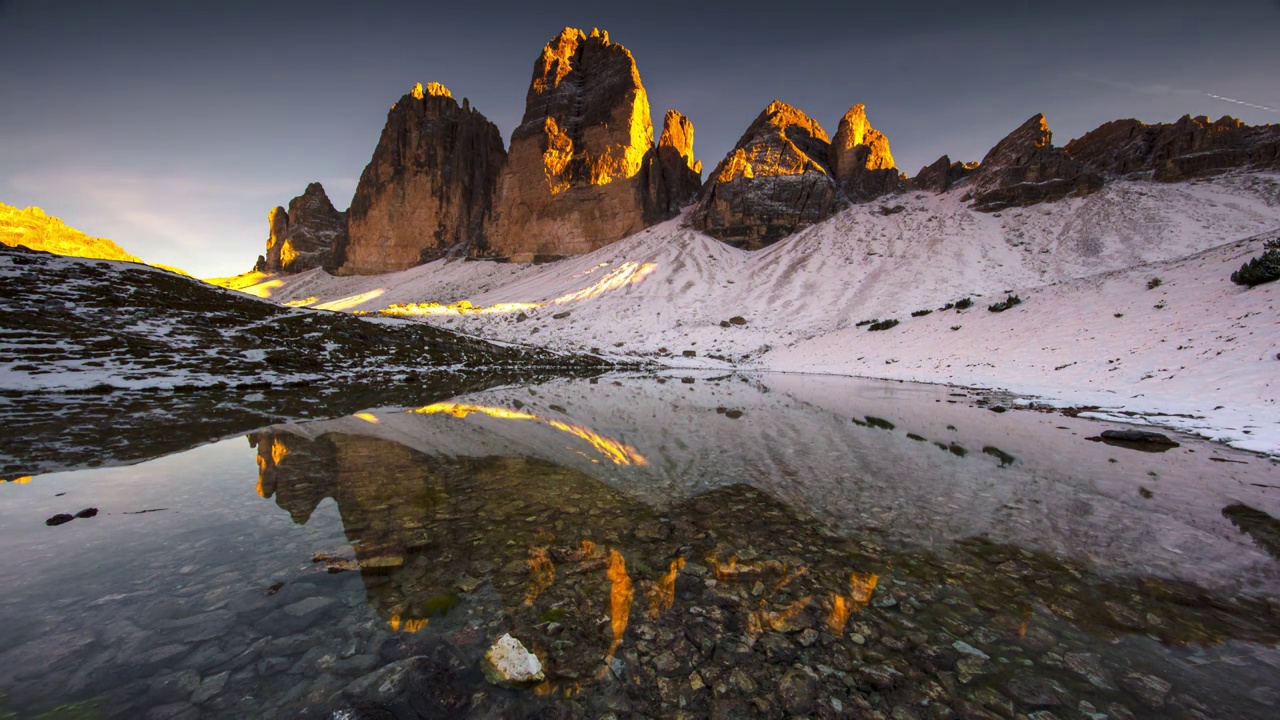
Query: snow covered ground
[(1197, 352)]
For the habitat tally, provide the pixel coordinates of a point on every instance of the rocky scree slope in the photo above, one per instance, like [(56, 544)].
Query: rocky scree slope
[(150, 362)]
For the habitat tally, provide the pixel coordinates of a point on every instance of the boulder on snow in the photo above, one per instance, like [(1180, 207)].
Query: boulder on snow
[(1144, 440), (508, 663)]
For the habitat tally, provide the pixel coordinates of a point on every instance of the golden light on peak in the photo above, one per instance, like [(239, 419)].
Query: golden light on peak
[(23, 480), (367, 417)]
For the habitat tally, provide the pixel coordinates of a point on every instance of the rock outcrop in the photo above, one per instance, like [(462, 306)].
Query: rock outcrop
[(32, 228), (1025, 168), (303, 237), (1191, 147), (571, 181), (774, 182), (428, 189), (860, 159), (941, 175), (672, 175)]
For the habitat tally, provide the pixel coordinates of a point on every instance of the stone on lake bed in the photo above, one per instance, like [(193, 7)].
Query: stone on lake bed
[(59, 519), (508, 663), (967, 649)]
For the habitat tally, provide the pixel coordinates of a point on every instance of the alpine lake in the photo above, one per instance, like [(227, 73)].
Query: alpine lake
[(679, 546)]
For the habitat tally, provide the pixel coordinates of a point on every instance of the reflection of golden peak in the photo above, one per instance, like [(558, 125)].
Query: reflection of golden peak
[(618, 453), (461, 410)]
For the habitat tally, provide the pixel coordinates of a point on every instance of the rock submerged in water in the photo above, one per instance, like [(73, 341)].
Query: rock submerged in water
[(508, 663), (59, 519)]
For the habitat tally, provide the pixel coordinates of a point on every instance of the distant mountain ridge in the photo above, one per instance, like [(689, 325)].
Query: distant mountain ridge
[(33, 228), (582, 171)]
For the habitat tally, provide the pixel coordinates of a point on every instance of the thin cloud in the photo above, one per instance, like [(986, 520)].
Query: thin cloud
[(1242, 102)]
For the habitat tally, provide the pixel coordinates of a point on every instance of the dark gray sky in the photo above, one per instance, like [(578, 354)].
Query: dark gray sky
[(173, 127)]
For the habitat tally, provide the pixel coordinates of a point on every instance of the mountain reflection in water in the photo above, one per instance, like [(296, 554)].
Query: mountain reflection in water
[(777, 554)]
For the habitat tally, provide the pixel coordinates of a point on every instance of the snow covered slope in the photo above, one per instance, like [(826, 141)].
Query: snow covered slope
[(1078, 263)]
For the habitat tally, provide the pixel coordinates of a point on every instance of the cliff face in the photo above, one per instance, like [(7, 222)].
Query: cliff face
[(570, 183), (1025, 168), (860, 159), (773, 183), (428, 189), (1191, 147)]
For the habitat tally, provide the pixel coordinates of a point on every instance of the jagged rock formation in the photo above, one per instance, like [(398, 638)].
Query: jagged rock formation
[(303, 238), (773, 183), (1191, 147), (428, 189), (672, 175), (941, 175), (570, 183), (860, 159), (1025, 168), (32, 228)]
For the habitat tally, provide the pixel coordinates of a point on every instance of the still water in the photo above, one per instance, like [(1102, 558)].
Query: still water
[(768, 546)]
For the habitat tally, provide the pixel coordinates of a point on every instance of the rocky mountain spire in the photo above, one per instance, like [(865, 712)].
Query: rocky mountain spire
[(427, 190), (775, 181), (860, 159), (570, 183), (1025, 168), (303, 237), (673, 175)]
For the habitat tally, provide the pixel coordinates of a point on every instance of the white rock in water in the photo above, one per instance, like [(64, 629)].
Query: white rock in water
[(508, 662)]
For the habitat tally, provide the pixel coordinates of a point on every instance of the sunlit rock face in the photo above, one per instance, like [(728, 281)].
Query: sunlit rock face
[(1025, 168), (571, 182), (278, 232), (774, 182), (672, 175), (941, 175), (860, 159), (427, 190), (303, 237), (1191, 147)]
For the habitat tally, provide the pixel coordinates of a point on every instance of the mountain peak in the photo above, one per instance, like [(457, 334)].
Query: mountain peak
[(433, 89)]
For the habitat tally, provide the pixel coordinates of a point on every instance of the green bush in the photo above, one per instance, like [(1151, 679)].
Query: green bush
[(964, 304), (1262, 269), (882, 325), (1008, 303), (1154, 283), (860, 323), (920, 313)]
